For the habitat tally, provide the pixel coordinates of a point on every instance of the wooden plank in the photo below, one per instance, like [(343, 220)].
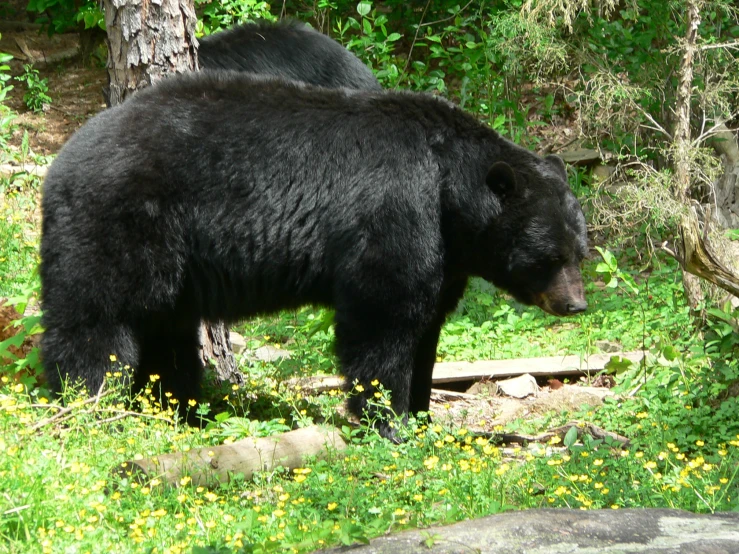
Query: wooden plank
[(448, 372), (453, 395), (9, 170)]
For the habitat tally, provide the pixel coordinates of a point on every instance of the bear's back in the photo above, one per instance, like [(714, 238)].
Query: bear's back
[(289, 50)]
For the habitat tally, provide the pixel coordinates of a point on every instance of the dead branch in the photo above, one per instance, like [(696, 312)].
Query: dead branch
[(122, 414), (582, 429), (11, 26), (732, 45), (9, 170), (66, 413), (697, 259)]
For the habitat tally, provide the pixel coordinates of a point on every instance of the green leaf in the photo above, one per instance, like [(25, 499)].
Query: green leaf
[(393, 37), (363, 8), (720, 314), (16, 340), (670, 353), (571, 437), (617, 364)]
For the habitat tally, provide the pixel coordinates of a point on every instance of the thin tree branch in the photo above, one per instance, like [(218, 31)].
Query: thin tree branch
[(714, 130), (657, 126), (467, 5), (733, 45), (60, 415), (415, 38)]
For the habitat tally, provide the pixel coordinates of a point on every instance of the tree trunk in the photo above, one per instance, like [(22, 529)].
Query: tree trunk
[(696, 257), (146, 40), (682, 148), (727, 187)]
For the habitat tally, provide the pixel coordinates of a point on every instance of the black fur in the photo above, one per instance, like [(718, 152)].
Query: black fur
[(223, 195), (290, 50)]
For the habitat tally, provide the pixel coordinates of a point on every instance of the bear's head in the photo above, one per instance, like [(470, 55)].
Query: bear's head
[(540, 234)]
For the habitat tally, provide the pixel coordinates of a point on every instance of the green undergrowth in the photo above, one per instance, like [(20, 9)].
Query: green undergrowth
[(18, 233), (489, 325)]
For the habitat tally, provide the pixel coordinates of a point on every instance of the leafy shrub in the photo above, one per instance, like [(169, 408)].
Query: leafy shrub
[(36, 97)]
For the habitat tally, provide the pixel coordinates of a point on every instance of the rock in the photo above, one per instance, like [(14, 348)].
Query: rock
[(519, 387), (601, 173), (484, 388), (546, 531), (608, 346), (269, 353), (581, 156), (238, 343)]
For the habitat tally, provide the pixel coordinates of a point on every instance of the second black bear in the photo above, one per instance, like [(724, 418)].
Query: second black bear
[(221, 196), (288, 49)]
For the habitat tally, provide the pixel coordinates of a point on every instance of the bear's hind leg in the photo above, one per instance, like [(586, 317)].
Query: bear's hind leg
[(85, 355), (172, 353)]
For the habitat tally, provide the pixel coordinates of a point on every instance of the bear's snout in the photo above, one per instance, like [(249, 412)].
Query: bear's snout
[(565, 294)]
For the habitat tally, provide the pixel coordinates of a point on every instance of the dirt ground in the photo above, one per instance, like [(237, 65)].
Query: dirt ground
[(75, 88)]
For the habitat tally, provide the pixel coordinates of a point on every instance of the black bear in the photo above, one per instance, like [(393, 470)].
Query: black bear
[(288, 49), (224, 195)]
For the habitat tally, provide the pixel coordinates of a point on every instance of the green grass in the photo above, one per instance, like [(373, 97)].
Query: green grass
[(60, 492), (18, 237), (489, 325), (678, 412)]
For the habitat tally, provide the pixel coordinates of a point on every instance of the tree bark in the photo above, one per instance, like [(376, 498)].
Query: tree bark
[(148, 39), (727, 187)]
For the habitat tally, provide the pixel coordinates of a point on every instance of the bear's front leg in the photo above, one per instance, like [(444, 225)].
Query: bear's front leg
[(425, 357), (378, 345)]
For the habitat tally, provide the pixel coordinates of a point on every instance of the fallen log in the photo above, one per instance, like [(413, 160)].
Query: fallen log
[(212, 465)]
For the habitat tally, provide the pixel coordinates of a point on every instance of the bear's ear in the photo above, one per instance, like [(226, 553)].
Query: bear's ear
[(501, 179), (557, 163)]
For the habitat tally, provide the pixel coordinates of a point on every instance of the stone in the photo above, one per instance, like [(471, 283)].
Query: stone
[(238, 343), (608, 346), (269, 353), (552, 531), (519, 387)]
